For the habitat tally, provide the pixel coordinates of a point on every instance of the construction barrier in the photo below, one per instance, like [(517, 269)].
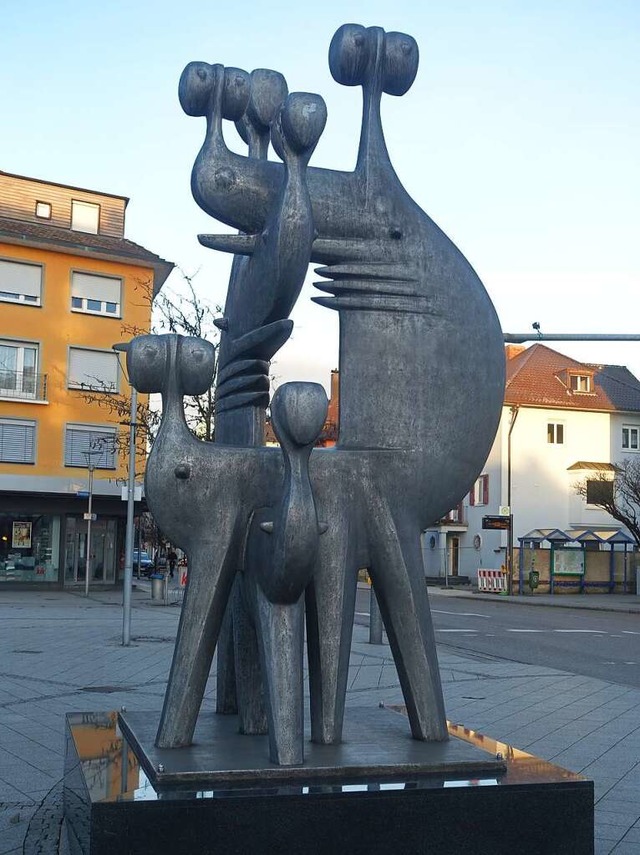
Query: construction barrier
[(492, 581)]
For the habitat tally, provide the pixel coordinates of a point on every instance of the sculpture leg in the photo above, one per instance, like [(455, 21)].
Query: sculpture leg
[(210, 577), (330, 601), (248, 674), (226, 702), (398, 579), (281, 634)]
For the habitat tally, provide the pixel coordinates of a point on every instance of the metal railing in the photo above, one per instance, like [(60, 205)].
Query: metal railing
[(23, 385)]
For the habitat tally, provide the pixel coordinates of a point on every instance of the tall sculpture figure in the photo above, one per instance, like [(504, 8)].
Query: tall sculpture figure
[(421, 386)]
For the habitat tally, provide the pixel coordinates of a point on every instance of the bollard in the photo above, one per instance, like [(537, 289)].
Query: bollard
[(375, 619)]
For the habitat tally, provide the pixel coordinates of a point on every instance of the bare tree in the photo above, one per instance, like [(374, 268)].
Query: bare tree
[(617, 493), (172, 312)]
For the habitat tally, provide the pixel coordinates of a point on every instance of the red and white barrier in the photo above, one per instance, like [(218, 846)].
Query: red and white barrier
[(492, 581)]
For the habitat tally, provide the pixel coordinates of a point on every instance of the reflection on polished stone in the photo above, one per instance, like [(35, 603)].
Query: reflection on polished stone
[(113, 805)]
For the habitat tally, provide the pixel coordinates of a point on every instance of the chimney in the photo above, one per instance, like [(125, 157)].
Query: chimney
[(334, 399), (513, 350)]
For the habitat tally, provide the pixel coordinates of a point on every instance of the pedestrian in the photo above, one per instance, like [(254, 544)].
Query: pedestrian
[(172, 558)]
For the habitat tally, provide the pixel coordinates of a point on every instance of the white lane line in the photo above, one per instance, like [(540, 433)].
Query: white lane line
[(362, 614), (459, 614), (630, 632), (592, 631), (629, 663), (455, 630), (526, 630)]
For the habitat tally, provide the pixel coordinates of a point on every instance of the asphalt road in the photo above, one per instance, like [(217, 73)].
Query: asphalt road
[(604, 645)]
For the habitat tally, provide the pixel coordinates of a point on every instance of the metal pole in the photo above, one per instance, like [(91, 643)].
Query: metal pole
[(375, 619), (89, 515), (128, 544)]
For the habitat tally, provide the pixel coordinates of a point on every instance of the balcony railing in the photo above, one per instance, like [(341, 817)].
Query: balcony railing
[(23, 385)]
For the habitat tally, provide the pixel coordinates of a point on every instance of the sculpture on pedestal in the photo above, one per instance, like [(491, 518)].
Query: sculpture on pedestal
[(280, 534)]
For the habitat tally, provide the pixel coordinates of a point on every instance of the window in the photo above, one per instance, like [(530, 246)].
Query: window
[(18, 366), (555, 433), (17, 441), (90, 443), (630, 438), (20, 282), (43, 210), (85, 217), (599, 492), (93, 369), (580, 382), (480, 493), (97, 295)]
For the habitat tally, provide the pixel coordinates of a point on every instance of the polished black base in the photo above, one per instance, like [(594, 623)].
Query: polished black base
[(516, 803)]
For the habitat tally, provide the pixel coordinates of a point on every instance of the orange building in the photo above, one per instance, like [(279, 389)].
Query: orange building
[(71, 286)]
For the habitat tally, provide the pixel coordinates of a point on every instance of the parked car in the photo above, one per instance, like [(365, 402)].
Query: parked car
[(142, 563)]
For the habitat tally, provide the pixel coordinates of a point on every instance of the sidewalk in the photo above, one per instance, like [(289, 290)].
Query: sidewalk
[(628, 603), (62, 652)]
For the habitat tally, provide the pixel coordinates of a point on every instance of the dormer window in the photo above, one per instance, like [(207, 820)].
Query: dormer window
[(43, 210), (85, 217), (581, 382)]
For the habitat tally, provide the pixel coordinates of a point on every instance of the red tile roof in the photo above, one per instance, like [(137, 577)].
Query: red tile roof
[(539, 376)]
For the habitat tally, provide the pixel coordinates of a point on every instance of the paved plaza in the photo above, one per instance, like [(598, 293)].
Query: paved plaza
[(62, 652)]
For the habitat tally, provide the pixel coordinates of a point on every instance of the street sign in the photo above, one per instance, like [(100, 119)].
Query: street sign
[(495, 522), (82, 494), (92, 517)]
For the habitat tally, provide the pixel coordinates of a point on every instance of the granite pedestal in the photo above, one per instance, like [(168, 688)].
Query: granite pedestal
[(377, 792)]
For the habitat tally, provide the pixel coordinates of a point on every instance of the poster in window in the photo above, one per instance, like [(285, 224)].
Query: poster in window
[(21, 536)]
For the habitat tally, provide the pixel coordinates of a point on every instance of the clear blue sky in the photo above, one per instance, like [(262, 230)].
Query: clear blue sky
[(520, 136)]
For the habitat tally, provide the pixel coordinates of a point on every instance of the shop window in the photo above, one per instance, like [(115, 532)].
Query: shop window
[(630, 438), (480, 493), (95, 294), (555, 433), (20, 282), (85, 217), (17, 441), (29, 547), (93, 369), (85, 444), (18, 369)]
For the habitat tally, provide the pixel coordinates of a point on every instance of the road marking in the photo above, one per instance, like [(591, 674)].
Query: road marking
[(455, 630), (630, 632), (458, 614), (629, 663), (362, 614), (526, 630), (594, 631)]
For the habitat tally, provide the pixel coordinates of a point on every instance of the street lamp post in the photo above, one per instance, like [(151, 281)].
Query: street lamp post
[(89, 518), (131, 483)]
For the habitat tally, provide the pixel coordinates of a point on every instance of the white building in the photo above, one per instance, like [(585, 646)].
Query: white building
[(562, 421)]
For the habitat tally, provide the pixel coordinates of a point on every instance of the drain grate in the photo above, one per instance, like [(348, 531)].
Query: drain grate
[(155, 638)]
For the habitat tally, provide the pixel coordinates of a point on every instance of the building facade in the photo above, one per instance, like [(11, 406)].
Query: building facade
[(71, 286), (563, 422)]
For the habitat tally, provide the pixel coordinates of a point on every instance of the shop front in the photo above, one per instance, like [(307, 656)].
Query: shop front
[(44, 542)]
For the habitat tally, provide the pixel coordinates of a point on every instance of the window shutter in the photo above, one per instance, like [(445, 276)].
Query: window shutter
[(79, 439), (485, 489), (93, 369), (92, 287), (472, 496), (85, 217), (21, 279), (17, 441)]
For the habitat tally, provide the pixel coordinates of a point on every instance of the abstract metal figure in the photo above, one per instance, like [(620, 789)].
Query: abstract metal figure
[(421, 386)]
